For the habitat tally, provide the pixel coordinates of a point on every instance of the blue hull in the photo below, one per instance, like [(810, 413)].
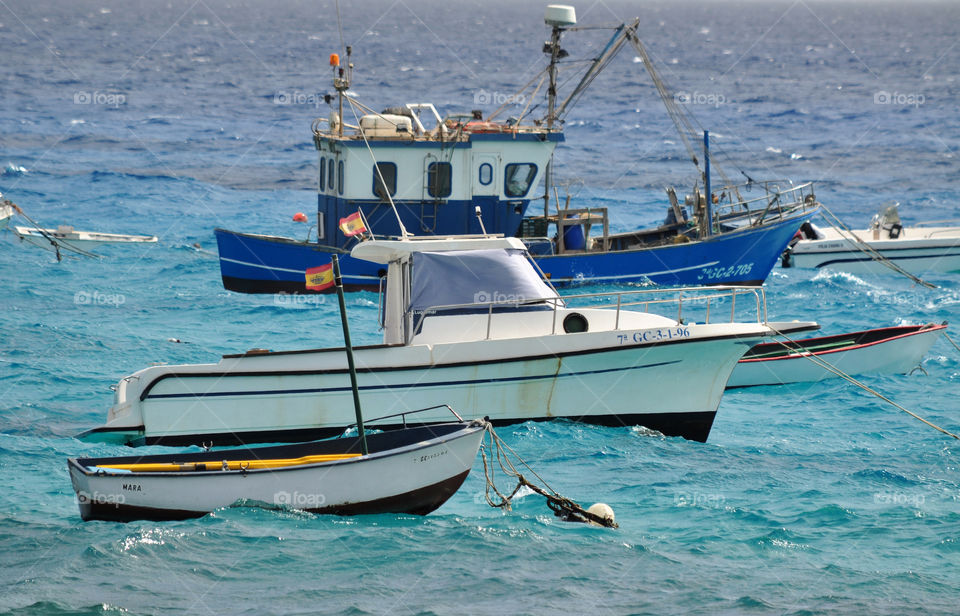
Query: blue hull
[(265, 264), (743, 257)]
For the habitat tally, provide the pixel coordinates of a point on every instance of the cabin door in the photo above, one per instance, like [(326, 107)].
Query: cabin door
[(486, 193), (486, 168)]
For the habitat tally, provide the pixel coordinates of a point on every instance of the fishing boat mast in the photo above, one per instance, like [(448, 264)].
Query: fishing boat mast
[(341, 83), (558, 17)]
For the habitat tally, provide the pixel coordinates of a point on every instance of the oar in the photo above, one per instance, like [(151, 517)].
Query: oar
[(225, 465)]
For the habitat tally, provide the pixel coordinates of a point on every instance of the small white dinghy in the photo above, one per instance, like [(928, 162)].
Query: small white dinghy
[(928, 247), (410, 470), (67, 238), (888, 350), (413, 470)]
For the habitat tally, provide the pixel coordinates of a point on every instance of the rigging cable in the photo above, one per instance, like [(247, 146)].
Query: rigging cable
[(57, 243), (870, 250), (386, 192), (833, 369)]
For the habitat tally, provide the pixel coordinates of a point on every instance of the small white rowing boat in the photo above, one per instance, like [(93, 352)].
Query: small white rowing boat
[(888, 350), (67, 237), (929, 247), (412, 470)]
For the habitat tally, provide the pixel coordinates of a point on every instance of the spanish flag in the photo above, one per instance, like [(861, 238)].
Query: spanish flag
[(320, 278), (352, 224)]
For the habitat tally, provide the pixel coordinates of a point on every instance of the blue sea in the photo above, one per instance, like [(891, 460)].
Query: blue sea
[(172, 118)]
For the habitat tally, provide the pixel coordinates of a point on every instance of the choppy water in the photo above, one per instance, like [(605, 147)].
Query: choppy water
[(164, 119)]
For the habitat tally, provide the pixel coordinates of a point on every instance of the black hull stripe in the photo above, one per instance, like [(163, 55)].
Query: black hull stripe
[(253, 286), (693, 426), (894, 258), (319, 390)]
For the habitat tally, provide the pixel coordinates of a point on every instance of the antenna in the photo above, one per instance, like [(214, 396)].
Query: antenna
[(341, 83)]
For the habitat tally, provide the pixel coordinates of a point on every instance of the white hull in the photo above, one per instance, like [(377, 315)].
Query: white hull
[(917, 250), (469, 323), (84, 240), (894, 355), (415, 477), (588, 377)]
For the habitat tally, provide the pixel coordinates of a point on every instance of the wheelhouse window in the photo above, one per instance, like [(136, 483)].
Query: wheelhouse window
[(485, 173), (339, 176), (517, 178), (323, 172), (330, 173), (438, 180), (388, 184)]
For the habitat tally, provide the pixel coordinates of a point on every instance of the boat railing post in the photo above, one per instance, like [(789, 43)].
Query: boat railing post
[(707, 322), (616, 324), (733, 306), (680, 308), (489, 319)]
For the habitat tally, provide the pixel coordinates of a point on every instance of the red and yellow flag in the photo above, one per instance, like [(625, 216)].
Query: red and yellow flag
[(352, 224), (320, 278)]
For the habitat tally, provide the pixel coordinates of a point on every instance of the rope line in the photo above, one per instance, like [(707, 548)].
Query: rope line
[(870, 250), (831, 368), (562, 507), (57, 243), (950, 340)]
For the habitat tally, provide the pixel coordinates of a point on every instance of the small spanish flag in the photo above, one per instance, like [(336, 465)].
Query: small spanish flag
[(352, 224), (320, 278)]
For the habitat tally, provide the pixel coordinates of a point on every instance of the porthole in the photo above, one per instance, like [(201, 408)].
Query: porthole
[(485, 173), (575, 323)]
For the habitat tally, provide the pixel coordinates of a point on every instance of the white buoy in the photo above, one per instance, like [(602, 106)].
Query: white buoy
[(602, 510)]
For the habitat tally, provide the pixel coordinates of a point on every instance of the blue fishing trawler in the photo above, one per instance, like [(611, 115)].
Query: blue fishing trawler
[(410, 171)]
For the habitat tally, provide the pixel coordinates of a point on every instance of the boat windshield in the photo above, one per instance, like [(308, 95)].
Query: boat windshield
[(498, 276)]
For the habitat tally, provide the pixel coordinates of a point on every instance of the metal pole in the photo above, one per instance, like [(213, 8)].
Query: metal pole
[(338, 281), (551, 114), (552, 71), (706, 180)]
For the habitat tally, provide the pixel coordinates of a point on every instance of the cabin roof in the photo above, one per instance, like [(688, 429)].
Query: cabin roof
[(385, 251)]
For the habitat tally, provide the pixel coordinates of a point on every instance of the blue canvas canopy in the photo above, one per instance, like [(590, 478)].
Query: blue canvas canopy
[(476, 276)]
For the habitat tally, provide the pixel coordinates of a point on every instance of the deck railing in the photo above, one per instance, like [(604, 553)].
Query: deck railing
[(773, 202), (685, 305)]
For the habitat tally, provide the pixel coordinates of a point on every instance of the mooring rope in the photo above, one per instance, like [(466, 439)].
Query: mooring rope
[(870, 250), (950, 340), (562, 507), (840, 373), (57, 243)]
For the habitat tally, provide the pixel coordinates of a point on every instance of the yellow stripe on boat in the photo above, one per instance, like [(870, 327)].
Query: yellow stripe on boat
[(225, 465)]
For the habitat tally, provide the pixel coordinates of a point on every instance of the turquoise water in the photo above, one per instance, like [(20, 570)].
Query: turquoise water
[(806, 499)]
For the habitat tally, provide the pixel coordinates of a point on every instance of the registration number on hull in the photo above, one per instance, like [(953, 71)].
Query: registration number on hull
[(654, 335)]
